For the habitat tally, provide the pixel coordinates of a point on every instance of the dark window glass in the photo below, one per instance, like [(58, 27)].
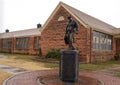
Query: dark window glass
[(102, 41), (7, 43), (22, 43)]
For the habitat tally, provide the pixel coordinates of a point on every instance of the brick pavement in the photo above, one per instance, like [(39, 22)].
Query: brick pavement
[(29, 78)]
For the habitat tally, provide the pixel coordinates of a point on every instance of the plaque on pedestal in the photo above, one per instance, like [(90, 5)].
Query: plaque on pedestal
[(69, 66)]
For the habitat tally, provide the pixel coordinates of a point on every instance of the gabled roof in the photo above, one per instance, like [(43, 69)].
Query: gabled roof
[(85, 19), (22, 33)]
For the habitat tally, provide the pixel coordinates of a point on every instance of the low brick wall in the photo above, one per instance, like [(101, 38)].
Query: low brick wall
[(99, 55)]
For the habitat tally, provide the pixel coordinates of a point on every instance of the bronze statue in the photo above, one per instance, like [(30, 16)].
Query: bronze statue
[(71, 29)]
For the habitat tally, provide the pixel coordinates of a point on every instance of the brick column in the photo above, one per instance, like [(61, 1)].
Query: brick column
[(31, 47), (12, 49), (114, 45), (89, 45), (14, 44)]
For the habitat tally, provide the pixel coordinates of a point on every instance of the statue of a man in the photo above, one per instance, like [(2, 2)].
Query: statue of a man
[(71, 29)]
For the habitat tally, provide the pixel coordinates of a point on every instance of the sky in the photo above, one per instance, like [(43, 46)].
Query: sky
[(26, 14)]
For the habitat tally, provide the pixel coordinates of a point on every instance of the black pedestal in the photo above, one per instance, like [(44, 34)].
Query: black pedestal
[(69, 66)]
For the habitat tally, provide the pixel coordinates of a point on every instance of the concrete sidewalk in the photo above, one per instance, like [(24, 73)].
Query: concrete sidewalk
[(2, 56), (10, 69)]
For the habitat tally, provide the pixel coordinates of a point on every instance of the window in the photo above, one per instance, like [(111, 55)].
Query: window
[(102, 41), (22, 43), (36, 42), (7, 43), (96, 40)]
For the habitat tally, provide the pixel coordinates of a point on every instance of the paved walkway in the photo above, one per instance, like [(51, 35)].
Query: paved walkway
[(2, 56), (12, 70), (9, 69), (30, 78), (111, 71)]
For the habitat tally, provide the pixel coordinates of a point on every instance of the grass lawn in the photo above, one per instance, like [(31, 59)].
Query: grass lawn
[(3, 76), (26, 62), (99, 66)]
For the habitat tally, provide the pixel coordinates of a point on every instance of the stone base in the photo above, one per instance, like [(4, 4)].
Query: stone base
[(69, 66), (54, 80)]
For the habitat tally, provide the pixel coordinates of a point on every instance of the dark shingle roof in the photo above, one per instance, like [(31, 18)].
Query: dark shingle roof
[(21, 33)]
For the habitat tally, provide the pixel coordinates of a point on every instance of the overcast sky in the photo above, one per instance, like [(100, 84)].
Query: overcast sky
[(25, 14)]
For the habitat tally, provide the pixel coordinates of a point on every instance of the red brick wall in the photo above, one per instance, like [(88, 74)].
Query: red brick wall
[(53, 34), (118, 46), (102, 56)]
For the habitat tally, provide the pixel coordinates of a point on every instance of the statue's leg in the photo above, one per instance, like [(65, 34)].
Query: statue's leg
[(71, 36), (66, 39), (71, 41)]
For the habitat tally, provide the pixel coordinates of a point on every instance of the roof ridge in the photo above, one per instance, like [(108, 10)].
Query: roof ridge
[(86, 14), (27, 32), (20, 30)]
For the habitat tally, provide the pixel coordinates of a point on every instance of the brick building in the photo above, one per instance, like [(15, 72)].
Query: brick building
[(96, 40), (24, 41)]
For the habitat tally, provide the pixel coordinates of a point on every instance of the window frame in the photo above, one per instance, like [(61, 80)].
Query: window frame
[(22, 43), (102, 41), (36, 42), (7, 43)]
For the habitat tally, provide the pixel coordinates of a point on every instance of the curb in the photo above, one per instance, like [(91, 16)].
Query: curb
[(4, 82)]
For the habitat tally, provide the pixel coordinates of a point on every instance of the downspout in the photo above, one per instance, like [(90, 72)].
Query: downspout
[(91, 39)]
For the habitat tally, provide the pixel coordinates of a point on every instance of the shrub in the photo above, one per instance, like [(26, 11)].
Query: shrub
[(53, 53), (116, 57)]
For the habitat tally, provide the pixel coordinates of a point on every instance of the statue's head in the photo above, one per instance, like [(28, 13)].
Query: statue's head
[(69, 17)]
